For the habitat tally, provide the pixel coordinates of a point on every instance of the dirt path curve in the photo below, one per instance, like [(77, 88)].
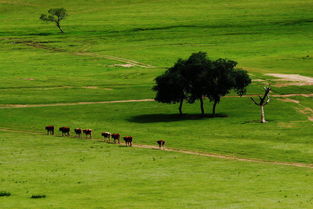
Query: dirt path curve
[(226, 157), (71, 104), (40, 45), (119, 59), (189, 152), (5, 106)]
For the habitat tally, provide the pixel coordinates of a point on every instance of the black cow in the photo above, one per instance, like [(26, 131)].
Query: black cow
[(50, 130), (65, 131), (116, 137), (128, 140), (78, 132), (161, 143)]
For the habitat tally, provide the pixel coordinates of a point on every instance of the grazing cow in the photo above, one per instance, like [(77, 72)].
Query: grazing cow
[(161, 143), (78, 132), (65, 131), (87, 132), (116, 137), (50, 130), (128, 140), (106, 136)]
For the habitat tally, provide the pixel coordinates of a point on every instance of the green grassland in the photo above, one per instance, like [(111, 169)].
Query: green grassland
[(83, 174), (239, 133), (41, 66)]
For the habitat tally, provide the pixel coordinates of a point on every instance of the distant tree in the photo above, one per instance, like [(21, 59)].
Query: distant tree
[(262, 102), (171, 86), (55, 15), (223, 77)]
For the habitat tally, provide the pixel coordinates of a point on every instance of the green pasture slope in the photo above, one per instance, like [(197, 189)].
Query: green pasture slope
[(78, 174), (41, 66)]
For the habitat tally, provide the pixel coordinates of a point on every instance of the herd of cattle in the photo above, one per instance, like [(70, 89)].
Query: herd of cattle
[(106, 135)]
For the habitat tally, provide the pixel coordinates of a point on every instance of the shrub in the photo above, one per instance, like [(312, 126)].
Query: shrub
[(4, 194), (38, 196)]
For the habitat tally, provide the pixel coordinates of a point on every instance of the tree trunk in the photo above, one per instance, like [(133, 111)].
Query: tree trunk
[(58, 25), (262, 114), (214, 107), (201, 106), (181, 107)]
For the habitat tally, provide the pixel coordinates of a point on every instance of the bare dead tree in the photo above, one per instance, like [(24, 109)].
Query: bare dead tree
[(263, 101)]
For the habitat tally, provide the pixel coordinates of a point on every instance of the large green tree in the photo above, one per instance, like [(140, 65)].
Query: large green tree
[(198, 77), (55, 15), (183, 81)]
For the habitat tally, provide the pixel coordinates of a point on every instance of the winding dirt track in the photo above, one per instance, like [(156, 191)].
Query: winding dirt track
[(5, 106), (39, 45), (189, 152), (119, 59), (71, 104)]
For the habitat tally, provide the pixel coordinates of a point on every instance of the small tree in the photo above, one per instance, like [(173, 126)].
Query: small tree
[(263, 101), (56, 16)]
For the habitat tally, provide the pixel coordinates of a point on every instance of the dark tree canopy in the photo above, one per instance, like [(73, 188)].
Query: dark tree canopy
[(224, 77), (195, 68), (171, 86), (55, 15), (198, 77)]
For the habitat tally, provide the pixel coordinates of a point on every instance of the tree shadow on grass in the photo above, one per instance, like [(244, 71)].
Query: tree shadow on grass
[(155, 118), (41, 34)]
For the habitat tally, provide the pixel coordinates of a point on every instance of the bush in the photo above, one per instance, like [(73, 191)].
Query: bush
[(5, 194), (38, 196)]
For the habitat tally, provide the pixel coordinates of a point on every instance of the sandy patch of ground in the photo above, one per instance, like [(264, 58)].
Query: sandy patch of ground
[(291, 80), (123, 65), (90, 87), (290, 100), (307, 111), (292, 84), (293, 95), (258, 80), (128, 62), (72, 103), (95, 87), (286, 125)]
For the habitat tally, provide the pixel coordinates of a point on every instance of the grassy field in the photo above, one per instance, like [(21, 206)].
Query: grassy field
[(112, 50), (88, 174), (239, 133)]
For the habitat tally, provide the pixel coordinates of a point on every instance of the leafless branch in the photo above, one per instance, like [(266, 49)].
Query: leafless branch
[(268, 100), (254, 101)]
